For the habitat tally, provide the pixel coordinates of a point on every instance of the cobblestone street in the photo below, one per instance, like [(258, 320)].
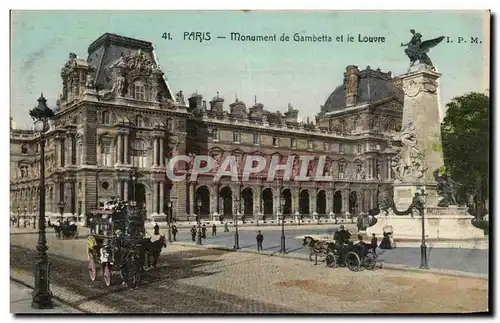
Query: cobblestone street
[(199, 280)]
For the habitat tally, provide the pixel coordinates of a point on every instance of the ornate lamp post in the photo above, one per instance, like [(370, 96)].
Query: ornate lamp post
[(42, 297), (199, 221), (282, 207), (24, 218), (236, 234), (18, 215), (169, 220), (134, 178), (423, 247), (34, 217)]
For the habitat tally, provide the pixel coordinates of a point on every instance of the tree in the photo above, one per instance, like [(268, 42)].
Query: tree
[(465, 133)]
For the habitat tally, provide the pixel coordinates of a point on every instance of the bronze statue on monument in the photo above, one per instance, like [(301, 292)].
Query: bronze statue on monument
[(417, 49)]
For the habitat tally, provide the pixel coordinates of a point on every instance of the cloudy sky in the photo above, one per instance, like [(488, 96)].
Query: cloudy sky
[(303, 74)]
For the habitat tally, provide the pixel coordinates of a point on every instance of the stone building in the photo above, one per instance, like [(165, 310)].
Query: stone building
[(118, 122)]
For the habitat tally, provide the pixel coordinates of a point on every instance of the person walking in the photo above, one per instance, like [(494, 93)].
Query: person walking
[(214, 230), (204, 231), (260, 239), (193, 233), (374, 243), (156, 229), (174, 232), (226, 227)]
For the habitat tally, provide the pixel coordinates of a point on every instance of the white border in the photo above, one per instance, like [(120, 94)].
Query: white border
[(199, 5)]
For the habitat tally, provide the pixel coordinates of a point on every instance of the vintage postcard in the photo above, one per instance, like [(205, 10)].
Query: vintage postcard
[(249, 162)]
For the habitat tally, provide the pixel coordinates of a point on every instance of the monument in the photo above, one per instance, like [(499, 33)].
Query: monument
[(416, 164)]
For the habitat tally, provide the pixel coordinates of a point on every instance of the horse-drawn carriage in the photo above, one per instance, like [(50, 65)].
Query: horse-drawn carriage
[(120, 245), (335, 253), (65, 229)]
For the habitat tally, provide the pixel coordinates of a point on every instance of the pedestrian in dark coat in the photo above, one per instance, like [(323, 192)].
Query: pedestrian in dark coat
[(174, 231), (156, 229), (214, 230), (204, 232), (193, 233), (374, 243), (260, 240)]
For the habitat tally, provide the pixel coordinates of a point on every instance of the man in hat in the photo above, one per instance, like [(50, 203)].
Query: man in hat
[(342, 236)]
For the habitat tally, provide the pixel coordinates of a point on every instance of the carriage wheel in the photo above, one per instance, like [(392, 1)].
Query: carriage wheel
[(75, 235), (107, 275), (352, 261), (370, 260), (330, 260), (91, 268)]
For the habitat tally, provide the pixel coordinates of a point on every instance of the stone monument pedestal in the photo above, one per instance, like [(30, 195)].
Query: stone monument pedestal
[(440, 223)]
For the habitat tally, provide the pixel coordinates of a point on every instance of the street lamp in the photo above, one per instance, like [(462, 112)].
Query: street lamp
[(34, 217), (236, 234), (24, 218), (423, 248), (18, 215), (169, 220), (199, 221), (134, 178), (282, 207), (42, 297)]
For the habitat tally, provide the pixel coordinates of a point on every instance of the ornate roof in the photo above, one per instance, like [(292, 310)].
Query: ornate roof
[(373, 86)]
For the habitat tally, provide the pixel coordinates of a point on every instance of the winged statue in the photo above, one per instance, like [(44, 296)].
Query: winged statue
[(417, 49)]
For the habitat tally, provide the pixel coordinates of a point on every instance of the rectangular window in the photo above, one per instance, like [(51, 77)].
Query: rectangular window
[(341, 171), (310, 145), (236, 137), (139, 92), (276, 141), (293, 143), (256, 139), (341, 148), (325, 146), (215, 134), (359, 149)]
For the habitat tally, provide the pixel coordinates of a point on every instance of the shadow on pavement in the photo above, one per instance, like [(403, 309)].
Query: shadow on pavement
[(162, 290)]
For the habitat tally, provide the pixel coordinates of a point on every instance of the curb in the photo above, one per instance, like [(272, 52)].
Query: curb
[(54, 297), (441, 272)]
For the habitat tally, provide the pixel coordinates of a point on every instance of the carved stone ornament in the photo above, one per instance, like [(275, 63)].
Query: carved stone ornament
[(430, 85), (412, 89)]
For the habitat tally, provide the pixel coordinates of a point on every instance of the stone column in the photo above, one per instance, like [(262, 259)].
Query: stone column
[(329, 200), (345, 201), (155, 152), (67, 153), (119, 150), (125, 149), (191, 198), (125, 189), (119, 188), (372, 198), (313, 198), (160, 142), (162, 198)]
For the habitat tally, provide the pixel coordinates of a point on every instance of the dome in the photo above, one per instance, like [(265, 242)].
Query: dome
[(372, 86)]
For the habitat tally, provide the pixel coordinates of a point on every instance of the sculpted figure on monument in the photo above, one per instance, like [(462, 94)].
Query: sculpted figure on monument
[(446, 188), (417, 49), (179, 97), (89, 83)]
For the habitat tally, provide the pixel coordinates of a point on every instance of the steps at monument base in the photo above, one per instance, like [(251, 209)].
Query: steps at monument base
[(405, 227)]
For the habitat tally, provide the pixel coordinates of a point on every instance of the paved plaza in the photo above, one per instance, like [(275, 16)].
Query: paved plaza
[(199, 280)]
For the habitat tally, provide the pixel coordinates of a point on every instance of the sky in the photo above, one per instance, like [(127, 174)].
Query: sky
[(277, 73)]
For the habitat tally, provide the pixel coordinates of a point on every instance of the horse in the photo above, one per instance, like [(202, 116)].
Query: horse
[(316, 247), (153, 249)]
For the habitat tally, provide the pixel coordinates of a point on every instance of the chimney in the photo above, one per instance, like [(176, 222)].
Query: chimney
[(217, 105), (351, 78)]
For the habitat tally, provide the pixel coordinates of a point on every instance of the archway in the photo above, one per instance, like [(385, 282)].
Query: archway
[(267, 201), (321, 202), (337, 202), (247, 197), (353, 202), (226, 205), (287, 209), (304, 202), (137, 193), (202, 193)]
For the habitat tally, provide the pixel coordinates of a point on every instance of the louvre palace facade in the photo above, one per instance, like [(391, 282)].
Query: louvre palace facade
[(118, 122)]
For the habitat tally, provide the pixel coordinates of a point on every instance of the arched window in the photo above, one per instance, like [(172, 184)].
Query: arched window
[(24, 149), (138, 121), (139, 91)]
